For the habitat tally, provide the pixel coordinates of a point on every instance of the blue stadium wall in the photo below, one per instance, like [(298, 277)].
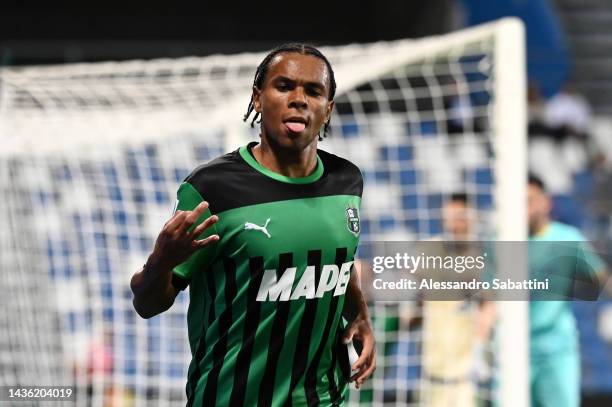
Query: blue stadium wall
[(547, 52)]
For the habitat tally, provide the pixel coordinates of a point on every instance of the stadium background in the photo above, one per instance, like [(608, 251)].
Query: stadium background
[(568, 41)]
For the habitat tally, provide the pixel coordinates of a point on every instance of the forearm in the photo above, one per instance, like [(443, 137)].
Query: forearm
[(355, 305), (360, 328), (176, 243), (152, 288)]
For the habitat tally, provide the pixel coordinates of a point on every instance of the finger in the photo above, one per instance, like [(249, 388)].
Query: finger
[(366, 368), (211, 220), (192, 217), (199, 210), (204, 242), (175, 221), (360, 378), (366, 352), (354, 379)]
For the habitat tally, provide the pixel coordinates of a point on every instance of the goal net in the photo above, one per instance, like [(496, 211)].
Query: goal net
[(91, 156)]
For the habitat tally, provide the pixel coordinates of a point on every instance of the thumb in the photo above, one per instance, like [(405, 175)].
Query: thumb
[(349, 333)]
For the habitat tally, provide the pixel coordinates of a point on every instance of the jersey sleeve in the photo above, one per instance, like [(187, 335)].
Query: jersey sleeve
[(186, 200), (359, 182)]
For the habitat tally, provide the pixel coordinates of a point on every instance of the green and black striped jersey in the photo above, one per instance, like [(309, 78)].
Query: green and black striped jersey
[(265, 312)]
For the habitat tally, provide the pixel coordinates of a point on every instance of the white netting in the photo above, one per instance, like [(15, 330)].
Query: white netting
[(91, 156)]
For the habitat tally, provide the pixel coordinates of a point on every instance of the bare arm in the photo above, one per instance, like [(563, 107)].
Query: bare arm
[(355, 306), (360, 327), (152, 286)]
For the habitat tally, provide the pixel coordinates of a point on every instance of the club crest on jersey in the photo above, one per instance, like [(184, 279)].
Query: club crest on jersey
[(352, 220)]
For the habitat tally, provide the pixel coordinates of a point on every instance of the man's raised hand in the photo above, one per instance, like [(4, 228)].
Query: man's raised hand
[(178, 239)]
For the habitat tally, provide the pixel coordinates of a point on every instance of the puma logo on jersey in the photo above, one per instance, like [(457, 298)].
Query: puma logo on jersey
[(332, 278), (253, 226)]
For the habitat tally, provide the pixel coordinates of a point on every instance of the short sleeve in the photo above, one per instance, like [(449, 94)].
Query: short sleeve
[(186, 200)]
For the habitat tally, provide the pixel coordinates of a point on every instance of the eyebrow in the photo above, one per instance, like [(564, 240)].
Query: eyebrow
[(314, 84)]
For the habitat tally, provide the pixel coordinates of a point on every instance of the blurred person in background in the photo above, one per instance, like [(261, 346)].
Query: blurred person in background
[(100, 372), (554, 351), (455, 332)]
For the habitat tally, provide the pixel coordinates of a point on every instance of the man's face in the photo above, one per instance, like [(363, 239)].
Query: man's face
[(538, 208), (293, 101), (456, 220)]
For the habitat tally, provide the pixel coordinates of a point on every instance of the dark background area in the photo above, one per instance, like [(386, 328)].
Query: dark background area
[(45, 33)]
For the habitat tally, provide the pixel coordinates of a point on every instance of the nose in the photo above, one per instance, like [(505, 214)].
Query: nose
[(297, 98)]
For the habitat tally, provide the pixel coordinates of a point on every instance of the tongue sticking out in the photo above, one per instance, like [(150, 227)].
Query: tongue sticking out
[(295, 127)]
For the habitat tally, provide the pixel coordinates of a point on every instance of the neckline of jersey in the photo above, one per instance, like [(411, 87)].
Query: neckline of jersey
[(245, 153)]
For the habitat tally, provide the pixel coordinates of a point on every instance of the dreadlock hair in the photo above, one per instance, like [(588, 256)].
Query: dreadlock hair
[(262, 71)]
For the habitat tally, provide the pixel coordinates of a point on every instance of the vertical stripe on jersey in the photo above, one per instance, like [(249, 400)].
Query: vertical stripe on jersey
[(201, 350), (251, 321), (340, 359), (302, 348), (310, 382), (225, 321), (212, 291), (334, 392), (277, 338)]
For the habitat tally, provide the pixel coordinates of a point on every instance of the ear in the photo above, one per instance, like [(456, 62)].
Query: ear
[(328, 110), (256, 99)]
